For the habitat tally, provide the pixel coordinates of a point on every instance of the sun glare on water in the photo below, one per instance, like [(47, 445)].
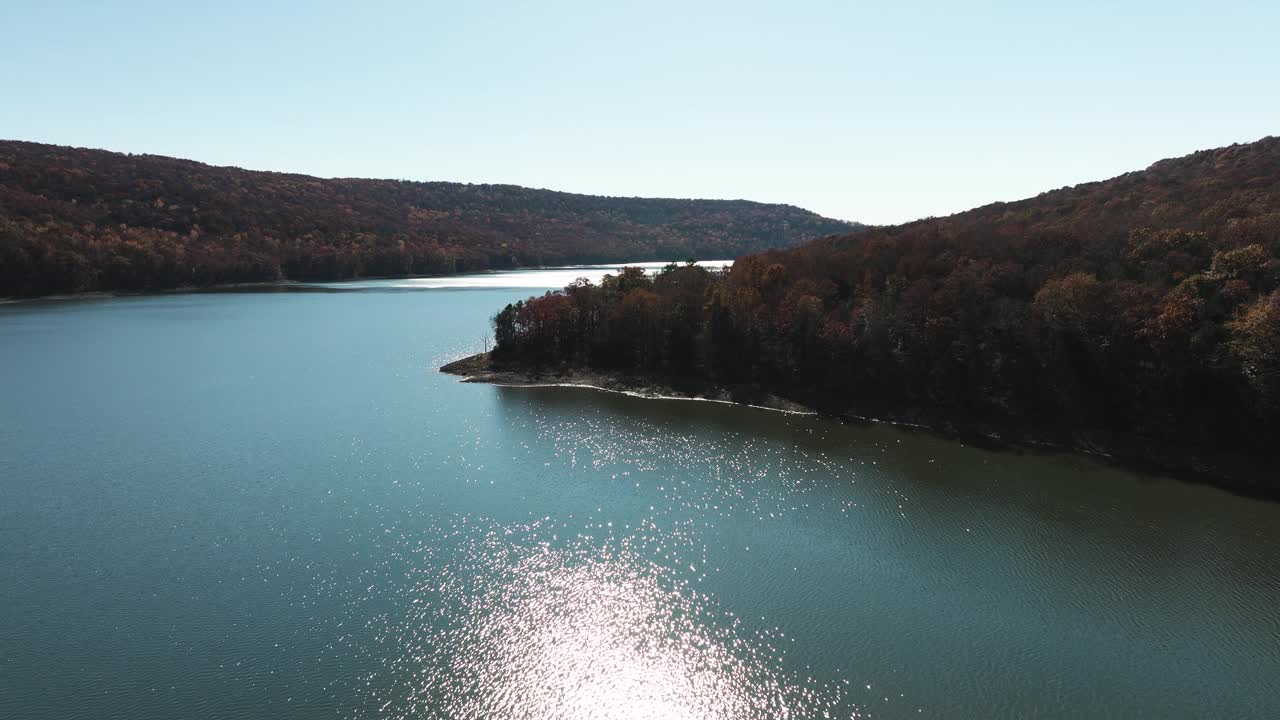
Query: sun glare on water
[(516, 627)]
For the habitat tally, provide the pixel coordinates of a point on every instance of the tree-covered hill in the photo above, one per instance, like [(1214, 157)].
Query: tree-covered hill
[(1138, 312), (76, 220)]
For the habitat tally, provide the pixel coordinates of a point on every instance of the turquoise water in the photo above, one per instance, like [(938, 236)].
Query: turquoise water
[(253, 505)]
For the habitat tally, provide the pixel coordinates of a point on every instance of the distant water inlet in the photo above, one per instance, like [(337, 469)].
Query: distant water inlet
[(533, 278), (525, 623)]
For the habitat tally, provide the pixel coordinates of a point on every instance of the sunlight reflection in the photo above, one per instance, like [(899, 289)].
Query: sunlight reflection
[(514, 627), (549, 278)]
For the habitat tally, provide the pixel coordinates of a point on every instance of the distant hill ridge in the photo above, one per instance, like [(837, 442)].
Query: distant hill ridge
[(1204, 190), (74, 220)]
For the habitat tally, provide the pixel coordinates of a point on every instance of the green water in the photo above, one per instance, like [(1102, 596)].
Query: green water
[(270, 505)]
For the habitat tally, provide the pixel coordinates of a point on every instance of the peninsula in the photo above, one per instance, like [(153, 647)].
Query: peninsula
[(1137, 317)]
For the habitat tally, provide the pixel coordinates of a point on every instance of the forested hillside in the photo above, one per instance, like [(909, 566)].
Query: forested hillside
[(75, 220), (1143, 311)]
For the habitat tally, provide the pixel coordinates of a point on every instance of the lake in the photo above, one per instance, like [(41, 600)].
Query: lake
[(271, 505)]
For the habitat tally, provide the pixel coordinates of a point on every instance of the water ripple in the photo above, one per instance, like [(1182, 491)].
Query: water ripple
[(529, 621)]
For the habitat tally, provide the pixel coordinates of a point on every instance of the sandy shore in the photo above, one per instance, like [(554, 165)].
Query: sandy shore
[(480, 369)]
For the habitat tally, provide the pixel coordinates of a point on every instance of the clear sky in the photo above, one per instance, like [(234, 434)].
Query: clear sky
[(880, 112)]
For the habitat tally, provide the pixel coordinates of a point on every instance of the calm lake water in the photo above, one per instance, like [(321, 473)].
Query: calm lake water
[(270, 505)]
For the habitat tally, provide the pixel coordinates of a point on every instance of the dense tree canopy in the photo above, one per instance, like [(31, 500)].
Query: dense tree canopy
[(74, 220), (1146, 307)]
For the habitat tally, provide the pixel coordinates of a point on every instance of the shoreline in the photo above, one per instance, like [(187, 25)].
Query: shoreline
[(284, 285), (477, 369), (306, 285), (1243, 477)]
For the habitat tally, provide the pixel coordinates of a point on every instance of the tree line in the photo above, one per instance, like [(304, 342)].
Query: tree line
[(1146, 307)]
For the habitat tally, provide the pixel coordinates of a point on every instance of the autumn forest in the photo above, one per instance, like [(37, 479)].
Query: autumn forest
[(1140, 315), (77, 220)]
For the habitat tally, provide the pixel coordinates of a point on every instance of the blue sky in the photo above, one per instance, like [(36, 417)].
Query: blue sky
[(880, 112)]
